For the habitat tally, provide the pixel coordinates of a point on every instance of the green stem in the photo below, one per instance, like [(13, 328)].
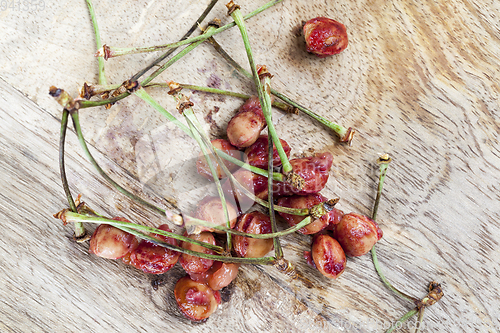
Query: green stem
[(407, 316), (179, 55), (264, 98), (384, 164), (116, 51), (285, 232), (276, 104), (287, 167), (278, 251), (133, 229), (169, 52), (197, 133), (81, 139), (79, 228), (62, 167), (72, 217), (102, 76), (345, 134)]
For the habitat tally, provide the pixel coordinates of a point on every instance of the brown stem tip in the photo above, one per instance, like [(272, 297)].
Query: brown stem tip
[(434, 295), (183, 103), (231, 7), (348, 136)]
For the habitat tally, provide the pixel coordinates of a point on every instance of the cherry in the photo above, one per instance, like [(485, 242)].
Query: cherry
[(357, 234), (315, 172), (152, 258), (225, 146), (258, 153), (192, 264), (253, 223), (112, 243), (210, 209), (328, 256), (220, 275), (300, 202), (196, 300), (325, 37), (244, 128)]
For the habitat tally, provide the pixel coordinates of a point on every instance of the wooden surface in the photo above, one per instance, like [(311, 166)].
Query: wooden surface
[(419, 80)]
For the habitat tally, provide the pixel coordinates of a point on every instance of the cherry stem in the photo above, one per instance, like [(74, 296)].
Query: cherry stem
[(262, 90), (102, 77), (301, 224), (179, 55), (189, 115), (282, 106), (170, 51), (70, 217), (140, 230), (76, 123), (278, 251), (384, 161), (400, 322), (79, 228), (116, 51), (345, 134)]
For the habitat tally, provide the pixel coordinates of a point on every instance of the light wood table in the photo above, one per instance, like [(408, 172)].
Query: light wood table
[(419, 80)]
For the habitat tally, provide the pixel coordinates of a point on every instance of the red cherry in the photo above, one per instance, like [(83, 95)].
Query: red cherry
[(152, 258), (325, 37), (196, 300)]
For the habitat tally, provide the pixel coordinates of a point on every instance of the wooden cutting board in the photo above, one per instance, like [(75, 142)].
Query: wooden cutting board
[(419, 80)]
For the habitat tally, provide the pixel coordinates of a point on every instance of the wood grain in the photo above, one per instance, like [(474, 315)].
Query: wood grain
[(419, 80)]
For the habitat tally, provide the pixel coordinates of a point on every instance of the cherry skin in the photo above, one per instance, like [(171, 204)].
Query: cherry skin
[(357, 234), (325, 37), (196, 300), (112, 243), (328, 256), (244, 128)]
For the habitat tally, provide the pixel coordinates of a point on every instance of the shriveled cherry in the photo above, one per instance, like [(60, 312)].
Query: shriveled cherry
[(357, 234), (112, 243), (220, 275), (244, 128), (328, 256), (225, 146), (196, 300), (253, 223), (210, 209), (306, 201), (325, 37), (152, 258), (258, 153), (193, 264), (314, 170)]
